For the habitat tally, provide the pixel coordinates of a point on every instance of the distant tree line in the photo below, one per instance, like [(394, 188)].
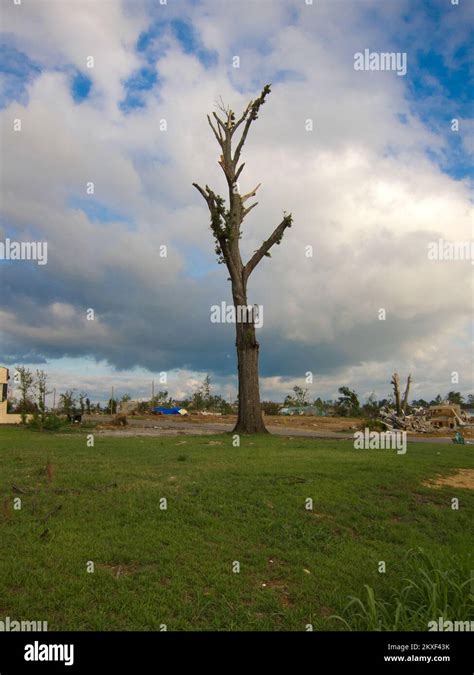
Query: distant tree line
[(349, 405), (33, 390)]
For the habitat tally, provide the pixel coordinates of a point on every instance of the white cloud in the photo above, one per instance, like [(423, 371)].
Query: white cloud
[(361, 189)]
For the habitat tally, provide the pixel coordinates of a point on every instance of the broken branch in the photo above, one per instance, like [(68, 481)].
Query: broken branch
[(218, 136), (250, 194), (247, 211), (274, 238), (250, 115)]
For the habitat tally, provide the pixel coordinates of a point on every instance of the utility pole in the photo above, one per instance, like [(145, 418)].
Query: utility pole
[(152, 390), (54, 399)]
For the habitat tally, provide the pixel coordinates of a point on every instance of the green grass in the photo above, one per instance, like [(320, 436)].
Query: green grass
[(431, 591), (225, 504)]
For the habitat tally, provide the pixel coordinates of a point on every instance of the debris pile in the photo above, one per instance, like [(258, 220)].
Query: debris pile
[(444, 417), (119, 420), (418, 421)]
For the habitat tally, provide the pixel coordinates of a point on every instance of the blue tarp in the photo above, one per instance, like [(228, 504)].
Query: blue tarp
[(167, 411)]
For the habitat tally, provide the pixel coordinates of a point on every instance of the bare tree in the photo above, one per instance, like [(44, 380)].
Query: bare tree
[(400, 403), (405, 395), (25, 379), (396, 392), (82, 402), (68, 401), (42, 391), (226, 227)]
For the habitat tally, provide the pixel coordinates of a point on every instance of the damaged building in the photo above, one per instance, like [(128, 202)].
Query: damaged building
[(446, 416), (5, 417)]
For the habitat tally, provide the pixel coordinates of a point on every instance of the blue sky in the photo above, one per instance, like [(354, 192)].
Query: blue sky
[(439, 81)]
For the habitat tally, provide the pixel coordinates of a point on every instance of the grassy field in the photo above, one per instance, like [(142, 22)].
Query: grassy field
[(174, 566)]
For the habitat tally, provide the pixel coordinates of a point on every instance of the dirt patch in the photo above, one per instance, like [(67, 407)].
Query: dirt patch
[(308, 423), (118, 570), (315, 514), (151, 431), (299, 426), (281, 590), (464, 478)]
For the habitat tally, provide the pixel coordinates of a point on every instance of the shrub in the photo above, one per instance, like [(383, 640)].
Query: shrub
[(270, 407), (48, 422), (372, 425)]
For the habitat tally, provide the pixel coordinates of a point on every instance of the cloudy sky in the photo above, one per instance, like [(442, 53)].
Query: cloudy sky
[(380, 176)]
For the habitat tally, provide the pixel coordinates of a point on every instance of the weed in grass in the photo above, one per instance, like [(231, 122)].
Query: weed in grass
[(49, 471), (6, 509), (431, 591)]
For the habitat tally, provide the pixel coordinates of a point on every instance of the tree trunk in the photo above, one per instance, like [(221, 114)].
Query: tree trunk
[(396, 392), (249, 420), (405, 395)]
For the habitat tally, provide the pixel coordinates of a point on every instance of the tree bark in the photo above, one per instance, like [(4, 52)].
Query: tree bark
[(406, 394), (396, 392), (249, 419)]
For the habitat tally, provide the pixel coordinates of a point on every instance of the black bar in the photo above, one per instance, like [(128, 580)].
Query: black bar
[(153, 652)]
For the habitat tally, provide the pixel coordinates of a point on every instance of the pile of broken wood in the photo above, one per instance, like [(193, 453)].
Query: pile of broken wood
[(423, 419), (419, 420)]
